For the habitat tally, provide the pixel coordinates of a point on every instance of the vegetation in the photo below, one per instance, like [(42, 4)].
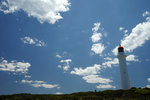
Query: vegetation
[(131, 94)]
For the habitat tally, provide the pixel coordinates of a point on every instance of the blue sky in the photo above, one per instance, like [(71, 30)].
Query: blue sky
[(67, 46)]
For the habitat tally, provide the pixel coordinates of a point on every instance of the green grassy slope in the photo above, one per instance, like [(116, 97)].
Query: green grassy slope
[(131, 94)]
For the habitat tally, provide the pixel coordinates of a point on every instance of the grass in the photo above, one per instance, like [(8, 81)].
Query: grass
[(131, 94)]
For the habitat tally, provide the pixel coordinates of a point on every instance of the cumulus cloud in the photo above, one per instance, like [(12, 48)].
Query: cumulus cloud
[(98, 48), (148, 18), (87, 71), (59, 93), (132, 58), (89, 74), (125, 31), (114, 61), (44, 10), (27, 76), (58, 56), (96, 27), (110, 62), (108, 58), (148, 86), (59, 66), (14, 66), (139, 35), (146, 13), (96, 79), (121, 28), (66, 65), (37, 84), (148, 79), (105, 86), (96, 37), (33, 41), (64, 61)]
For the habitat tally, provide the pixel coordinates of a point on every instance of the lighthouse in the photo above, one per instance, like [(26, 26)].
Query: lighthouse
[(125, 83)]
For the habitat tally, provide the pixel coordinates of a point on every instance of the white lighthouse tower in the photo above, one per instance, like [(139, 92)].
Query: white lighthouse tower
[(125, 83)]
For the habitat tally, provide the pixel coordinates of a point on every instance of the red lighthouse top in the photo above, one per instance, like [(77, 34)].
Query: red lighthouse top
[(120, 49)]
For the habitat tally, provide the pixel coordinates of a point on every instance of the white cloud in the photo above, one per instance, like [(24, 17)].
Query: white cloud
[(108, 58), (98, 48), (105, 86), (132, 58), (63, 62), (110, 62), (66, 65), (27, 76), (114, 61), (59, 66), (96, 37), (14, 66), (58, 56), (96, 79), (96, 27), (121, 28), (125, 31), (148, 86), (59, 93), (33, 41), (139, 35), (89, 74), (44, 10), (147, 18), (37, 84), (91, 70), (146, 13), (66, 61), (148, 79)]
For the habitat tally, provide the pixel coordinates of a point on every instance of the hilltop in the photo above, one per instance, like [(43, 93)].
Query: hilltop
[(131, 94)]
